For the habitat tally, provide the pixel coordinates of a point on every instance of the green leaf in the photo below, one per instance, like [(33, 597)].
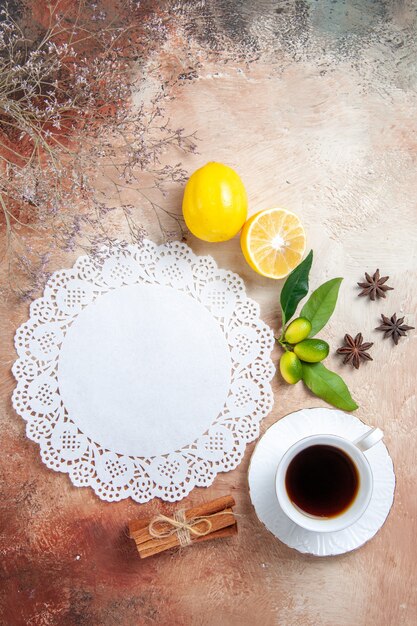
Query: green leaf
[(328, 386), (319, 307), (295, 288)]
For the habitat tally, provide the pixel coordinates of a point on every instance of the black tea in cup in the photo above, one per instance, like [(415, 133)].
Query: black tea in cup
[(322, 480)]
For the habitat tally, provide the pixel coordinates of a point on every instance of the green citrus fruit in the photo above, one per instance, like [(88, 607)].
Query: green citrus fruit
[(298, 330), (290, 368), (312, 350)]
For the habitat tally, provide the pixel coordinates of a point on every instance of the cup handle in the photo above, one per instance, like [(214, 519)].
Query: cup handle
[(369, 439)]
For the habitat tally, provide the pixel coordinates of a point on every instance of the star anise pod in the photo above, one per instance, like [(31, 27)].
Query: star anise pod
[(375, 286), (355, 350), (393, 327)]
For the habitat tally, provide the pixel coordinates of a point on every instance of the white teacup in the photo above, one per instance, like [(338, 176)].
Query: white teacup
[(355, 451)]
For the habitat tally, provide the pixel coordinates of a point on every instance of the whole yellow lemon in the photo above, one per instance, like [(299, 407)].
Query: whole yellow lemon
[(215, 204)]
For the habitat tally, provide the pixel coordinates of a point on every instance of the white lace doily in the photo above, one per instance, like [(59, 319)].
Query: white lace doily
[(144, 372)]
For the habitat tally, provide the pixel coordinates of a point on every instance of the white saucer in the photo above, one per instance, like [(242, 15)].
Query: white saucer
[(263, 466)]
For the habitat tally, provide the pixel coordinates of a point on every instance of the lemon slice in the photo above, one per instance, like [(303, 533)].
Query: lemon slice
[(273, 242)]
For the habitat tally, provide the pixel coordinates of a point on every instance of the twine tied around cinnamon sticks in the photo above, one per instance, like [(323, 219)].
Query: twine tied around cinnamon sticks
[(180, 525), (210, 520)]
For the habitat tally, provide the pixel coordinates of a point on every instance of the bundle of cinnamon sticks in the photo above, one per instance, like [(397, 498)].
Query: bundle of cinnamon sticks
[(210, 520)]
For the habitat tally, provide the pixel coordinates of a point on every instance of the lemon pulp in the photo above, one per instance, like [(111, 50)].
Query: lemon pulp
[(273, 242)]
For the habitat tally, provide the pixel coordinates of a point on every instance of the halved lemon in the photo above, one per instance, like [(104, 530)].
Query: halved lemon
[(273, 242)]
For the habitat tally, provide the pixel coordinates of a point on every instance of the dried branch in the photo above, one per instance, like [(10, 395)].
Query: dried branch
[(67, 120)]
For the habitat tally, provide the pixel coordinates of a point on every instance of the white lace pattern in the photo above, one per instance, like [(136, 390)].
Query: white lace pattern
[(112, 475)]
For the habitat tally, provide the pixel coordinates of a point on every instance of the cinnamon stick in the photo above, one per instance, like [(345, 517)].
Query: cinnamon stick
[(144, 552), (146, 542), (206, 508), (222, 525)]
